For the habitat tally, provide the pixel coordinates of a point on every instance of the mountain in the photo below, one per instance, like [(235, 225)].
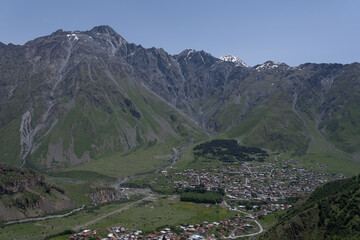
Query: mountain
[(331, 212), (231, 58), (78, 96), (74, 97)]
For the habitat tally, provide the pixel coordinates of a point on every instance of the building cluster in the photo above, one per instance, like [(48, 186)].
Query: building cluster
[(205, 230), (267, 185), (258, 181)]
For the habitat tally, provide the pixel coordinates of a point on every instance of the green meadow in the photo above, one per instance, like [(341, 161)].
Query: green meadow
[(145, 215)]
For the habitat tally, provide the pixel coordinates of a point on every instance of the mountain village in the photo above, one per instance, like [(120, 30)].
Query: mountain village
[(253, 189)]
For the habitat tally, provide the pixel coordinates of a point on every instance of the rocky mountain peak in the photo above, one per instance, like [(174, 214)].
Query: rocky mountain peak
[(103, 29), (107, 37), (196, 57), (186, 52), (57, 32), (268, 65), (233, 59)]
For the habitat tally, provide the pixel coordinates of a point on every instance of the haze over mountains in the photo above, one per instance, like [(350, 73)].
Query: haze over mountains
[(72, 97)]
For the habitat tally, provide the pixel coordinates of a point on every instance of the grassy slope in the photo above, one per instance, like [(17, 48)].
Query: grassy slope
[(120, 165), (102, 123), (10, 143), (342, 104), (101, 120), (146, 157), (266, 127), (331, 211), (322, 152)]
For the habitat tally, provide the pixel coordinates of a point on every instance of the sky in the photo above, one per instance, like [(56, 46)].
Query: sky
[(293, 32)]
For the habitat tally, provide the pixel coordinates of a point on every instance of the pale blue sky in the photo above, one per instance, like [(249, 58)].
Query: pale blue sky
[(287, 31)]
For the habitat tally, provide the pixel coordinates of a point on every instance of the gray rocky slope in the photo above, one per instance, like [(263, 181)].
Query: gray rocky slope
[(72, 96)]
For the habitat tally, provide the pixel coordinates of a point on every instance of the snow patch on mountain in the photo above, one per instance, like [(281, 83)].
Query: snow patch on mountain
[(272, 65), (233, 59), (73, 36), (190, 52)]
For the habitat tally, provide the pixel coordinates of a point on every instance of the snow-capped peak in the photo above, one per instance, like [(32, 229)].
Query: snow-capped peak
[(231, 58), (271, 65)]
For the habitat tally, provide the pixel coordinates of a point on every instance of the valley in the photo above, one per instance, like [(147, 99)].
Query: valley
[(113, 139), (254, 190)]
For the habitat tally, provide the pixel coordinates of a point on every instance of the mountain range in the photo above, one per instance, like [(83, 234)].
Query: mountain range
[(75, 96)]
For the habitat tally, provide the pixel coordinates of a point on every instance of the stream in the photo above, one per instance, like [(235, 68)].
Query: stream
[(175, 157)]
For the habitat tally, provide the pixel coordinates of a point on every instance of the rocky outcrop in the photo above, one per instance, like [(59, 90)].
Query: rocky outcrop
[(103, 194), (25, 193), (14, 180)]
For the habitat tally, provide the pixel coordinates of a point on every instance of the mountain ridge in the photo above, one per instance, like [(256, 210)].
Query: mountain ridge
[(97, 73)]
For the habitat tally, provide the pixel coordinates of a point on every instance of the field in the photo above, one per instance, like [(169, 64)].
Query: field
[(145, 216), (108, 170), (149, 215), (40, 229), (141, 160)]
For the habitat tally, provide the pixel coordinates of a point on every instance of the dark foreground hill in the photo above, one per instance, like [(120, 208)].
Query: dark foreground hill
[(331, 212), (25, 193)]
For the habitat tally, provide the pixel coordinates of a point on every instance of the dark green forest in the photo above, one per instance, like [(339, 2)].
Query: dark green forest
[(229, 150), (199, 194)]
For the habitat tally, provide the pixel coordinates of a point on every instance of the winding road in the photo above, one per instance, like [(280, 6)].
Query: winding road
[(250, 216), (82, 226), (45, 218)]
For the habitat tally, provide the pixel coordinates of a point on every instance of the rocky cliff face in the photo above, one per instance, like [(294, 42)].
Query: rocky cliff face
[(103, 194), (14, 180), (25, 193), (77, 95)]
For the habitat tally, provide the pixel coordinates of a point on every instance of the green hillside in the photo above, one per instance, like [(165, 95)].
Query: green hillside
[(111, 116), (331, 212)]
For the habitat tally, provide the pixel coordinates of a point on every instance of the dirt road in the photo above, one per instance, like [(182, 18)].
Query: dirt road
[(127, 207), (45, 218)]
